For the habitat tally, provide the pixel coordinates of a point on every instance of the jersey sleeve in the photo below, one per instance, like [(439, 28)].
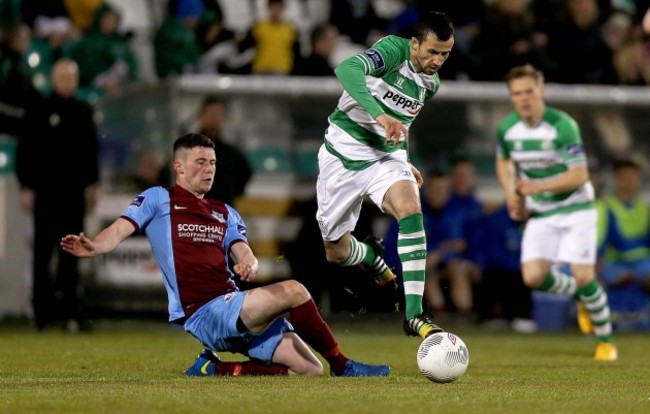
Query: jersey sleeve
[(236, 230), (375, 61), (570, 142), (501, 149), (143, 208)]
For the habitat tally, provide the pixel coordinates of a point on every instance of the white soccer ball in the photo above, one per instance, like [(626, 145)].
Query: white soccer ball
[(443, 357)]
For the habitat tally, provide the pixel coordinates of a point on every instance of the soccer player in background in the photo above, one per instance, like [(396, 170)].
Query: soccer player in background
[(365, 154), (200, 244), (542, 168)]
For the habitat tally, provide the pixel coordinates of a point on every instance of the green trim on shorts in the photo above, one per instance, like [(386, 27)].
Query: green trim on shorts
[(565, 209), (348, 163)]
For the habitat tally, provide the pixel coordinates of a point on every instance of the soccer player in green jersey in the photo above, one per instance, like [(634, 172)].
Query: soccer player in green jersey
[(542, 168), (365, 155)]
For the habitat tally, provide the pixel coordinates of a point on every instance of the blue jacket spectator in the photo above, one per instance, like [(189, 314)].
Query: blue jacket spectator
[(624, 248)]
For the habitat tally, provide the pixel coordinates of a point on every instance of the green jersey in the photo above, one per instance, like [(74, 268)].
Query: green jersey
[(543, 151), (379, 80)]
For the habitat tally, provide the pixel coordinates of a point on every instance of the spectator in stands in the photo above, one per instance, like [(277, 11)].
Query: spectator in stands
[(10, 13), (82, 12), (624, 246), (324, 39), (106, 62), (52, 33), (147, 170), (403, 23), (176, 49), (16, 90), (470, 211), (61, 138), (503, 294), (275, 41), (233, 171), (577, 47), (467, 16), (199, 272), (357, 20), (509, 38), (49, 20), (222, 50), (631, 51)]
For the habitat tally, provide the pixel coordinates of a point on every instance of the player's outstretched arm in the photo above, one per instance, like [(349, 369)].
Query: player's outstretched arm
[(107, 240)]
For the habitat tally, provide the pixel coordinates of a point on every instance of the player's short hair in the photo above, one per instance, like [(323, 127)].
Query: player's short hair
[(189, 141), (436, 24), (524, 71)]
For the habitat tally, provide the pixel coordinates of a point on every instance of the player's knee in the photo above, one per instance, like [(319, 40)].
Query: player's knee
[(533, 279), (297, 291)]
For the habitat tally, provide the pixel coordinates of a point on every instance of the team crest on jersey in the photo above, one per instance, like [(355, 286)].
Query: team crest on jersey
[(375, 58), (423, 94), (137, 202), (575, 149), (218, 216)]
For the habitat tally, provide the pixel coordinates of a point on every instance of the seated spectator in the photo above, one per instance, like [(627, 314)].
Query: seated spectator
[(357, 20), (467, 16), (176, 49), (624, 247), (504, 296), (324, 40), (17, 93), (106, 62), (233, 170), (49, 20), (508, 38), (52, 33), (82, 12), (577, 47), (631, 51), (276, 42)]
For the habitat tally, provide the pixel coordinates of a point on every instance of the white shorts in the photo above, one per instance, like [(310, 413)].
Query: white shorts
[(341, 192), (562, 238)]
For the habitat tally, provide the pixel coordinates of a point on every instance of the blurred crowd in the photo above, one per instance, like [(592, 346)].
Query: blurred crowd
[(571, 41)]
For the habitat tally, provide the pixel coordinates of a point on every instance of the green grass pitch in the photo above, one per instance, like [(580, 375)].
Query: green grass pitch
[(137, 367)]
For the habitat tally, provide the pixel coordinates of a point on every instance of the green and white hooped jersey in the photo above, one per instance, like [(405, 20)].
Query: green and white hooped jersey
[(543, 151), (394, 87)]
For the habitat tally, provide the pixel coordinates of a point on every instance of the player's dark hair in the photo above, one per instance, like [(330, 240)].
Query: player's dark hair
[(189, 141), (436, 24)]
